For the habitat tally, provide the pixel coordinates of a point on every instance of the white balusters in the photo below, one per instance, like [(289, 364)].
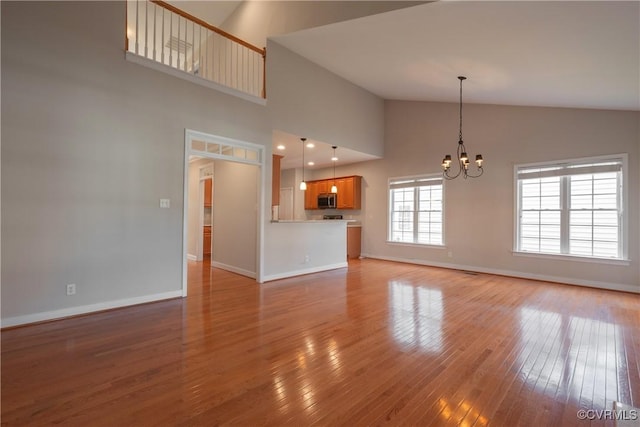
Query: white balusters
[(204, 51)]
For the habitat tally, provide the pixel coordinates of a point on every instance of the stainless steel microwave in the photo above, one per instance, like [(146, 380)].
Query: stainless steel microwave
[(327, 201)]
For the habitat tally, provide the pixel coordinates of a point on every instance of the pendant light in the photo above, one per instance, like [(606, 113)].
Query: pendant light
[(334, 159), (303, 185), (462, 158)]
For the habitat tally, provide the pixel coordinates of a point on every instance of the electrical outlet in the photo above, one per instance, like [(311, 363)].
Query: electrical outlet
[(165, 203), (306, 258), (450, 254), (71, 289)]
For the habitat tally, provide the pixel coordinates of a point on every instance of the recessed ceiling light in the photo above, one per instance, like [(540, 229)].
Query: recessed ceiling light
[(280, 147), (310, 145), (334, 159), (310, 163)]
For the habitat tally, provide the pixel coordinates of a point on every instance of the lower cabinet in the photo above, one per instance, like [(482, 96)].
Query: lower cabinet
[(354, 238), (206, 249)]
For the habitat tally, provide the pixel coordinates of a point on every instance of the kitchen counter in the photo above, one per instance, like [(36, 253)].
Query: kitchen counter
[(311, 221)]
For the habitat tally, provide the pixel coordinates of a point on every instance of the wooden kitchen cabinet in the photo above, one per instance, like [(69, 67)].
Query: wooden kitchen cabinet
[(207, 193), (354, 239), (323, 187), (275, 180), (349, 192), (311, 196), (206, 241)]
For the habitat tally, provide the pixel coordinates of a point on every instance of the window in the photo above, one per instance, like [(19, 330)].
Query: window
[(415, 206), (572, 208)]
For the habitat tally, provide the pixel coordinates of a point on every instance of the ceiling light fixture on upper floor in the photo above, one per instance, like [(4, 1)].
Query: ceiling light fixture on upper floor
[(334, 159), (462, 158), (280, 147), (303, 185)]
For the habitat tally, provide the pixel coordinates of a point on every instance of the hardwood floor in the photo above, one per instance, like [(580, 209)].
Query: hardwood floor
[(377, 343)]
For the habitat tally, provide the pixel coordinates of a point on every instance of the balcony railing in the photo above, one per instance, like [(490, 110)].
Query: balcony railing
[(165, 34)]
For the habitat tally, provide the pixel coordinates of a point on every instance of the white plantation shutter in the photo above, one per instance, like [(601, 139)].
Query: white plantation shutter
[(540, 215), (415, 206), (572, 208)]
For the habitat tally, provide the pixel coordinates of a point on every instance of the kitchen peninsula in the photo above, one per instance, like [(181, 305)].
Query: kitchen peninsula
[(305, 246), (310, 244)]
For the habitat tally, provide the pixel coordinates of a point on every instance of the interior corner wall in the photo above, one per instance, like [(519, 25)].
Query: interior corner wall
[(479, 213), (306, 99), (90, 143), (235, 216)]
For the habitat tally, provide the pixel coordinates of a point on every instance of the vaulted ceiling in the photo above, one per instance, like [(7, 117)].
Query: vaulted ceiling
[(548, 53), (577, 54)]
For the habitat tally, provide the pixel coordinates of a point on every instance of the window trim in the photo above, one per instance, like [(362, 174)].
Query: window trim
[(624, 208), (426, 177)]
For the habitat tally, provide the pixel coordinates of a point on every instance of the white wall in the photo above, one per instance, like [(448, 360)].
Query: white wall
[(90, 143), (305, 99), (479, 214), (235, 217)]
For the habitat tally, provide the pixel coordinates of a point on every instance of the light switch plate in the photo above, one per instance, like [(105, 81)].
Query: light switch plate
[(165, 203)]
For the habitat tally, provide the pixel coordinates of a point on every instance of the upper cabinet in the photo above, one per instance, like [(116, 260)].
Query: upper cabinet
[(349, 192), (311, 195)]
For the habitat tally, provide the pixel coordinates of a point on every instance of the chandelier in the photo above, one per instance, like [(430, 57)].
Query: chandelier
[(462, 157)]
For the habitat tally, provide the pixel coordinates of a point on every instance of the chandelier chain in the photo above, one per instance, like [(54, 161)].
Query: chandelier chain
[(460, 137), (461, 162)]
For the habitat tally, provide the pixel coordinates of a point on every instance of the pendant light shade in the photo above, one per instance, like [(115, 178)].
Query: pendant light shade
[(303, 184), (334, 188), (462, 157)]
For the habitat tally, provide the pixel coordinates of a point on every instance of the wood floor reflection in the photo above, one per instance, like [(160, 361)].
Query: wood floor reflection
[(377, 343)]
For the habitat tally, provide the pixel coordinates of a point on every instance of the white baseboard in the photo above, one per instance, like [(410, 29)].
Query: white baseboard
[(278, 276), (191, 257), (557, 279), (85, 309), (233, 269)]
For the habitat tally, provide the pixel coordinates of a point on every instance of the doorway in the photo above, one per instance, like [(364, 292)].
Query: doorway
[(237, 205), (207, 216), (200, 211)]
